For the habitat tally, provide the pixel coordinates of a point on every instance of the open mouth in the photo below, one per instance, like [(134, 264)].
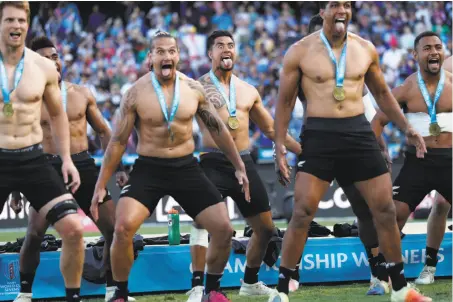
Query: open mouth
[(227, 61), (166, 69), (434, 62), (340, 20), (15, 35)]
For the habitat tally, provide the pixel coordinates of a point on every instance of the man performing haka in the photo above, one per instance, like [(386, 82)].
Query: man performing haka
[(427, 101), (237, 103), (337, 140), (80, 107), (27, 81), (379, 276), (166, 165)]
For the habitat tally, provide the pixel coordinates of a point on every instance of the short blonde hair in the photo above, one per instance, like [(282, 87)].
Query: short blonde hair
[(17, 4)]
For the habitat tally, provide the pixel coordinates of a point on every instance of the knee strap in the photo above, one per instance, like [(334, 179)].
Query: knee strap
[(198, 237), (61, 209)]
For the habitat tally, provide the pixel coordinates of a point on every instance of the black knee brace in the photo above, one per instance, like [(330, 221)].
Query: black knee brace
[(61, 209)]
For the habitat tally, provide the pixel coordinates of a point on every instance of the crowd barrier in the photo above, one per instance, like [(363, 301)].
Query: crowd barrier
[(168, 268)]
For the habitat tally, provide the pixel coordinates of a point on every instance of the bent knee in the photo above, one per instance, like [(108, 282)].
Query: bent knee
[(70, 228), (303, 214), (124, 230), (224, 232)]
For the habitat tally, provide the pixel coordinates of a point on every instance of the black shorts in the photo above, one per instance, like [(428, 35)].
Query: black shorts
[(220, 172), (28, 171), (88, 177), (419, 176), (359, 205), (182, 178), (341, 148)]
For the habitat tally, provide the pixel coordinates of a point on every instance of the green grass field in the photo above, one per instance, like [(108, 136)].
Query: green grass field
[(441, 291)]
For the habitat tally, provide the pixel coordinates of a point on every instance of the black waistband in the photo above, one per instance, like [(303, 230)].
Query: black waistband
[(22, 153), (168, 162), (356, 123), (245, 156), (444, 152), (81, 156)]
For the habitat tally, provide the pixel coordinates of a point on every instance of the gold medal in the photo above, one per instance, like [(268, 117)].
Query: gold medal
[(233, 122), (339, 94), (8, 109), (434, 129)]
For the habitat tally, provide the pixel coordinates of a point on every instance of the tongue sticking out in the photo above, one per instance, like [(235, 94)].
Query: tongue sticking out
[(339, 26), (166, 72), (228, 63)]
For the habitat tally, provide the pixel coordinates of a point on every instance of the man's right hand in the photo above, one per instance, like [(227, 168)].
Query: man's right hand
[(241, 176), (414, 138), (281, 166), (388, 160), (17, 202), (68, 169), (98, 197)]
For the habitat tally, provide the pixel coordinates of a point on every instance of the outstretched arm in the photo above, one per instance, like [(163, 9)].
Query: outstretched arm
[(219, 133), (260, 116), (118, 141), (289, 80)]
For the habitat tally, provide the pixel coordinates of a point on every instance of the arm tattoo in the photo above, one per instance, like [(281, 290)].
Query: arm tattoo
[(205, 110), (212, 94), (124, 120), (210, 120)]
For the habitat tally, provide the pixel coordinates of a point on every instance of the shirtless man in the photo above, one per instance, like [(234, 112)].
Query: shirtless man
[(27, 81), (80, 106), (235, 101), (166, 165), (418, 177), (337, 139), (379, 276)]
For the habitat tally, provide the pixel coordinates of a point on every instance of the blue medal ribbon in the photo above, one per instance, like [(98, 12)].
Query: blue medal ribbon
[(340, 68), (64, 95), (169, 116), (431, 104), (17, 76), (231, 101)]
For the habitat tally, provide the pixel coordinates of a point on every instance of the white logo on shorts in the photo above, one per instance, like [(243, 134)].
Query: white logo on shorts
[(125, 189), (301, 163), (395, 190)]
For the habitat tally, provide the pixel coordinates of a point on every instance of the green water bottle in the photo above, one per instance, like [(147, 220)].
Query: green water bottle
[(174, 237)]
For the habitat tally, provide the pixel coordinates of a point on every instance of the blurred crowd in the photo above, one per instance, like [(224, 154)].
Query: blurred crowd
[(106, 49)]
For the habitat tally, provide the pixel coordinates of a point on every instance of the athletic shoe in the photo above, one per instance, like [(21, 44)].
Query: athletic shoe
[(256, 289), (426, 275), (377, 287), (293, 285), (278, 297), (215, 296), (195, 294), (23, 297), (110, 292), (408, 294)]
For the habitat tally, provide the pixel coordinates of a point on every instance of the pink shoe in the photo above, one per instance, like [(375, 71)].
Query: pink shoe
[(215, 297)]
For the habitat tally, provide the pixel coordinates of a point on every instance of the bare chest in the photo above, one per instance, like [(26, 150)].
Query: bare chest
[(416, 103), (319, 67), (151, 112), (29, 90), (75, 107)]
